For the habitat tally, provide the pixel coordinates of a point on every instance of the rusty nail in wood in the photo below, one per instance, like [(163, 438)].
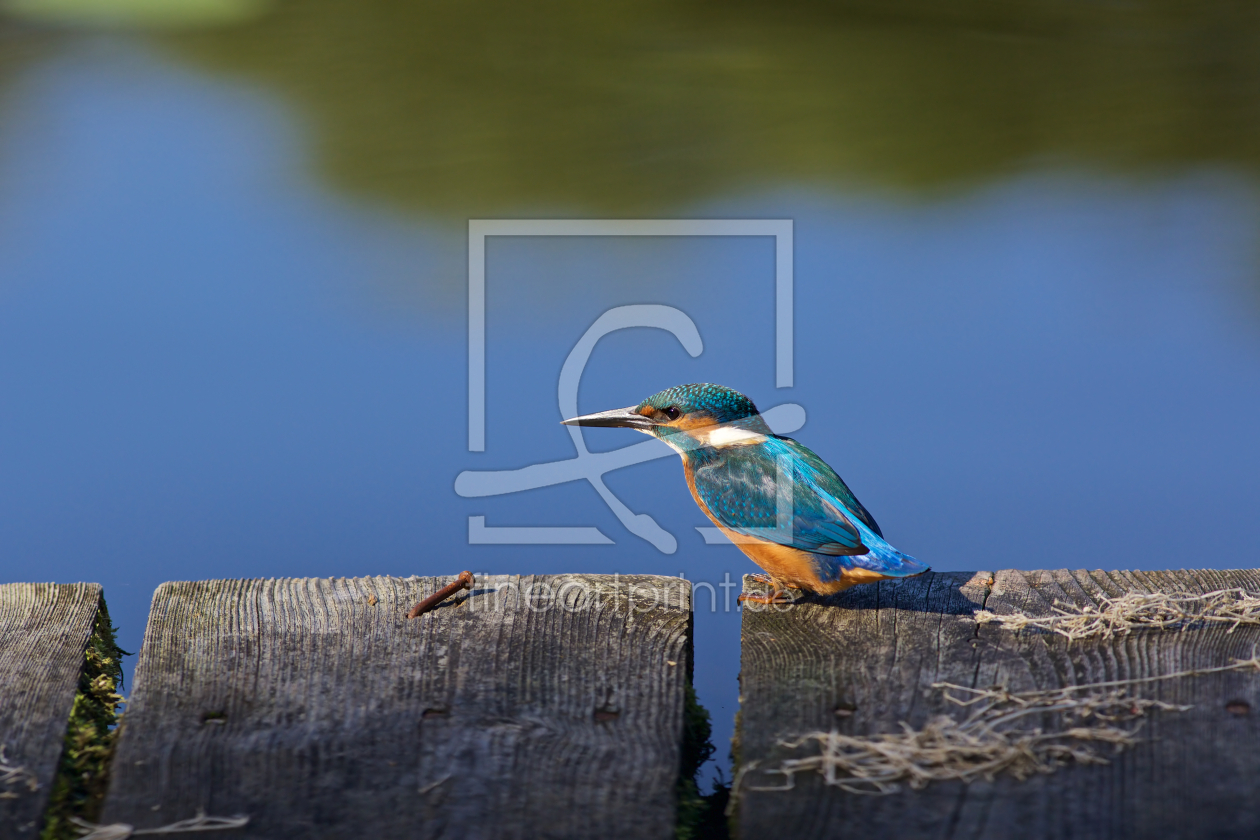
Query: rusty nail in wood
[(1238, 708), (464, 581)]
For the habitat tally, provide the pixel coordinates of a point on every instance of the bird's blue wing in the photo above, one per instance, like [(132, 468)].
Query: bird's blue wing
[(741, 487), (825, 480)]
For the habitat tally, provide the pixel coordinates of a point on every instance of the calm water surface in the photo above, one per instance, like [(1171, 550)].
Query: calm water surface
[(233, 278)]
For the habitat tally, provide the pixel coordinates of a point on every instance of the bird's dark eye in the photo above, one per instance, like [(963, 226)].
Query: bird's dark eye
[(673, 413)]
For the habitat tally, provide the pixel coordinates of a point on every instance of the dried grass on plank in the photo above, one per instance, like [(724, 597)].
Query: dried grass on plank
[(1138, 610), (985, 743)]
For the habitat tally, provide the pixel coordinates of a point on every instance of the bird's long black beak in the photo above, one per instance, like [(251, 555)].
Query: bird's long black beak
[(627, 418)]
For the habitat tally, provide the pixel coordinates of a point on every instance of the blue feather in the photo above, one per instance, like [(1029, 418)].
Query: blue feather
[(740, 486), (743, 481)]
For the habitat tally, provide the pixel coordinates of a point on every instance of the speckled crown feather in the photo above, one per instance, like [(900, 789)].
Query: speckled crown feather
[(724, 404)]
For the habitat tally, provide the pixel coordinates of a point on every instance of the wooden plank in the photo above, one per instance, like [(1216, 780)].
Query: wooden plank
[(44, 629), (875, 649), (315, 708)]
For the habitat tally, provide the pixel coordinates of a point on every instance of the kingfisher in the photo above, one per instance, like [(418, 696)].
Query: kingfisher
[(774, 498)]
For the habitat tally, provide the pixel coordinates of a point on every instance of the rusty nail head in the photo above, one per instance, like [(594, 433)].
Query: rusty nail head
[(464, 581)]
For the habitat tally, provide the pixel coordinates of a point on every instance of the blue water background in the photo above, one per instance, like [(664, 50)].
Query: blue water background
[(211, 366)]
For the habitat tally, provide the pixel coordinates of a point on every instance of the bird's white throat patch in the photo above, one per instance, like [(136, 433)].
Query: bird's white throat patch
[(718, 437), (730, 436)]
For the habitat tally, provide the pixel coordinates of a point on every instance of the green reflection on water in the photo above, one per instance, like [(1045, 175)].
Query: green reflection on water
[(135, 13), (470, 108), (479, 107), (20, 46)]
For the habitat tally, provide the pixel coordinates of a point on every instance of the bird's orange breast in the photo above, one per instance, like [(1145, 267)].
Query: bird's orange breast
[(787, 566)]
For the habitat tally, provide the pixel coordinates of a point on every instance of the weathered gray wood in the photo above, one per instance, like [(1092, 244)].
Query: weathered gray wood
[(875, 649), (316, 709), (44, 629)]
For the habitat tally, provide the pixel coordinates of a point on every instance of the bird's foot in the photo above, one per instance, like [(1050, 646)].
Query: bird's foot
[(763, 579), (778, 596)]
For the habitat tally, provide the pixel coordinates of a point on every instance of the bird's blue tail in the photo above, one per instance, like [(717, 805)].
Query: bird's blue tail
[(883, 558)]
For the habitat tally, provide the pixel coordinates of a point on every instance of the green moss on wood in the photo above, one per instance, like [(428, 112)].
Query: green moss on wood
[(83, 772)]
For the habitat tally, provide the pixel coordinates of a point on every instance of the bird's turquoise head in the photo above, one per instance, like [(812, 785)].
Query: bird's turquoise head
[(693, 411), (699, 404)]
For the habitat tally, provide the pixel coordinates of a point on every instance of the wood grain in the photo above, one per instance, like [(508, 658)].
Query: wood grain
[(875, 649), (315, 708), (44, 629)]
